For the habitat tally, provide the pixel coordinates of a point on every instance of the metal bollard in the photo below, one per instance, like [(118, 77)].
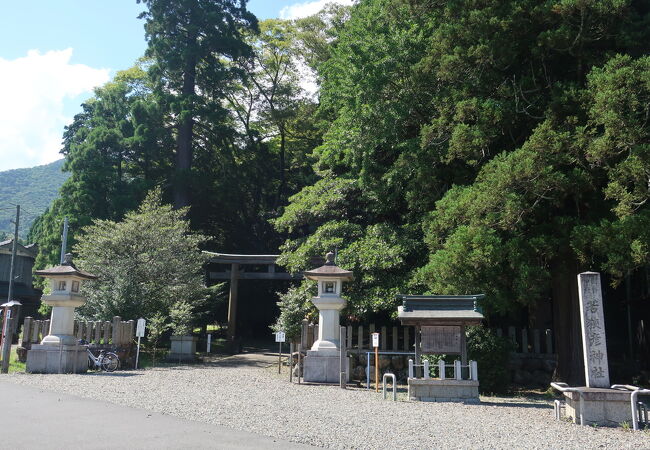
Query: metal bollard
[(556, 407), (391, 376)]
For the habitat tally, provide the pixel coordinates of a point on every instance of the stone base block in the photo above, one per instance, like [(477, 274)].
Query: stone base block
[(183, 349), (607, 407), (319, 368), (55, 359), (437, 390)]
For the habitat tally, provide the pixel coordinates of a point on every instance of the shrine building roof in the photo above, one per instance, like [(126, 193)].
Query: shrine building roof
[(440, 309)]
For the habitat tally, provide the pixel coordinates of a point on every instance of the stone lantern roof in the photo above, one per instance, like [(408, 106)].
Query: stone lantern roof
[(66, 269), (329, 270)]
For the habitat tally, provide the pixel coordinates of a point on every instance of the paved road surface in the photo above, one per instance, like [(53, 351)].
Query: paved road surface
[(36, 419)]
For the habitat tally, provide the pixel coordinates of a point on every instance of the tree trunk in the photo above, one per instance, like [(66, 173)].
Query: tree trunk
[(184, 139), (283, 181), (566, 324)]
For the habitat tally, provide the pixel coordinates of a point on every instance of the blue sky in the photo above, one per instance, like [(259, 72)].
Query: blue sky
[(53, 53)]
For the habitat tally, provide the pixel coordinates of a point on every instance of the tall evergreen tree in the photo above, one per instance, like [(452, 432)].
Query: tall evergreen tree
[(188, 41)]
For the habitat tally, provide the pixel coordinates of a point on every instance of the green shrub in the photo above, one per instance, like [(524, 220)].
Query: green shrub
[(492, 354), (294, 306), (181, 317)]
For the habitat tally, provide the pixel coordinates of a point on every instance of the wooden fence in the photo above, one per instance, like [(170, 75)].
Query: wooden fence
[(115, 332), (400, 338), (529, 340)]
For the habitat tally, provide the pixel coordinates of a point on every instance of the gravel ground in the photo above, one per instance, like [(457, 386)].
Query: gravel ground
[(248, 394)]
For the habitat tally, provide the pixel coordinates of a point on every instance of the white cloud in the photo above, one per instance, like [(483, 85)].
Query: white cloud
[(309, 8), (33, 91)]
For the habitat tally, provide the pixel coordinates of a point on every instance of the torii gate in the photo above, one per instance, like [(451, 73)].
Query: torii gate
[(235, 274)]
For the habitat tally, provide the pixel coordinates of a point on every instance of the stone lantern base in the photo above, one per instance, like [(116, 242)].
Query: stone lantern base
[(324, 367), (57, 359)]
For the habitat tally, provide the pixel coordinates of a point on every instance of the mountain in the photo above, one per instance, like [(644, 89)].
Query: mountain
[(33, 189)]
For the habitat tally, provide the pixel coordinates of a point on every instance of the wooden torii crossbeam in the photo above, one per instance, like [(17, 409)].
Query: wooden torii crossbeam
[(264, 268)]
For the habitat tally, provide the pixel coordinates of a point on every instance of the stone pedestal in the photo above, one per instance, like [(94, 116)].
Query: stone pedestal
[(324, 367), (62, 321), (183, 349), (436, 390), (57, 359), (600, 406)]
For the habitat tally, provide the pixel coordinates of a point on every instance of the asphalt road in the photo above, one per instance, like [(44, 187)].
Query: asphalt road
[(35, 419)]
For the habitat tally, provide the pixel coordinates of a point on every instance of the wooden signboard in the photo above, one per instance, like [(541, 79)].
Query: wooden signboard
[(441, 339)]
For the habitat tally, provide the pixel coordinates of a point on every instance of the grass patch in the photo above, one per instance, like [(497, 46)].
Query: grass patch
[(14, 364), (146, 360)]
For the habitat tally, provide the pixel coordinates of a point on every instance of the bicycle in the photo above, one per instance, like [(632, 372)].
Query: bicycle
[(106, 361)]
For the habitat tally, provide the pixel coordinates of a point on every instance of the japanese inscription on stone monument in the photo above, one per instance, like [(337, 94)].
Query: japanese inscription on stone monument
[(593, 330)]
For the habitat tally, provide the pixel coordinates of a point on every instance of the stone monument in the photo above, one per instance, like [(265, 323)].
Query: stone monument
[(59, 352), (593, 330), (597, 402), (322, 363)]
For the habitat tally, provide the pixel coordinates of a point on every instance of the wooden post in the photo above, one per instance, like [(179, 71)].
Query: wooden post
[(407, 339), (384, 338), (536, 341), (463, 346), (348, 344), (36, 329), (116, 330), (27, 330), (513, 336), (549, 341), (395, 339), (130, 331), (98, 332), (417, 351), (232, 301), (524, 340), (46, 328), (107, 332), (299, 362), (303, 332), (291, 361), (376, 369), (360, 339), (343, 379), (89, 331)]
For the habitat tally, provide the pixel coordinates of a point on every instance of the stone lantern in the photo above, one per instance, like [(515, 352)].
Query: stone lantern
[(59, 352), (322, 363)]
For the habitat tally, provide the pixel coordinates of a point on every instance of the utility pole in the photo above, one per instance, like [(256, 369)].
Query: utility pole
[(64, 240), (7, 334), (14, 248)]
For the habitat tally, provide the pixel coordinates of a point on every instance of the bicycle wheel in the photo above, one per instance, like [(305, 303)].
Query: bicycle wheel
[(110, 362)]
